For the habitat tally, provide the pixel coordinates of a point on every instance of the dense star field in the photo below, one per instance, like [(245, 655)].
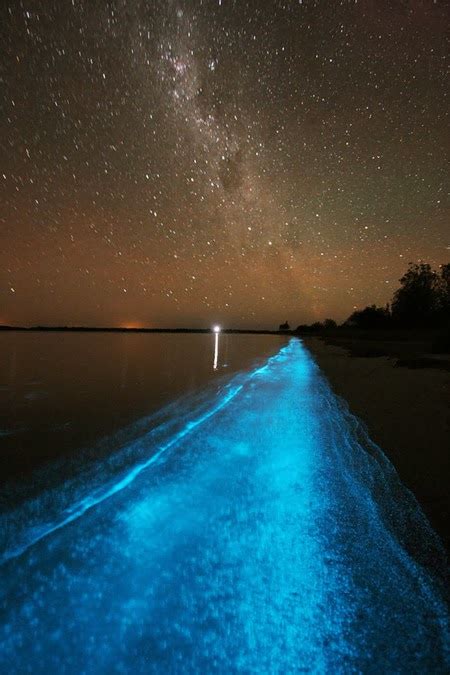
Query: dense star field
[(178, 163)]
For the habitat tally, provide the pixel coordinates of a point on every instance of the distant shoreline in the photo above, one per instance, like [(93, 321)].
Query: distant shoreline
[(100, 329)]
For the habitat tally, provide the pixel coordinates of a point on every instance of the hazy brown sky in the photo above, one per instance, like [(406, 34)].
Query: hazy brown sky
[(178, 163)]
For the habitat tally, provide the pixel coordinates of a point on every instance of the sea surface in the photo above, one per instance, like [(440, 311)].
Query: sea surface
[(62, 393), (249, 525)]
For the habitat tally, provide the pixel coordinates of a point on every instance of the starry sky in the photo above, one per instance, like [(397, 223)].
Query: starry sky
[(177, 163)]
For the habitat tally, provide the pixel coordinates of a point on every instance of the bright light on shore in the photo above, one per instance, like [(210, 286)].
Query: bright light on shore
[(216, 329)]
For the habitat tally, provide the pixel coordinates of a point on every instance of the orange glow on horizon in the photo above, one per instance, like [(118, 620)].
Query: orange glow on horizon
[(134, 324)]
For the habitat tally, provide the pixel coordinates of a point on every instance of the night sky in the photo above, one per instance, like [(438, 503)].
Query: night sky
[(170, 163)]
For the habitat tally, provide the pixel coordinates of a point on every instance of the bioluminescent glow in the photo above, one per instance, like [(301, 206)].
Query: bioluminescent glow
[(264, 533)]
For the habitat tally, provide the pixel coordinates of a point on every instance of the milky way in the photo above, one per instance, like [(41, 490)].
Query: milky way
[(178, 163)]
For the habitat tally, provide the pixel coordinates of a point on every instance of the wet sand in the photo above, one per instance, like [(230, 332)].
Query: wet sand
[(407, 412)]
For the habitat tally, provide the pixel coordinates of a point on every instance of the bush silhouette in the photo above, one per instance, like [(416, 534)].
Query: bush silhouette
[(418, 300), (370, 317)]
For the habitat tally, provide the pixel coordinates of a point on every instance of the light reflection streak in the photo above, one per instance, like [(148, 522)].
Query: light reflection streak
[(216, 350)]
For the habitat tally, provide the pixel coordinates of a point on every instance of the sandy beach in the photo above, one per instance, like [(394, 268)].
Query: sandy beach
[(407, 413)]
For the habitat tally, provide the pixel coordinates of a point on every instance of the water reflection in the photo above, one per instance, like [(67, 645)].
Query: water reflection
[(95, 384), (216, 347)]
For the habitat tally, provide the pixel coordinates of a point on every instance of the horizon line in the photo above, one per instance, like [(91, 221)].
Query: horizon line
[(143, 329)]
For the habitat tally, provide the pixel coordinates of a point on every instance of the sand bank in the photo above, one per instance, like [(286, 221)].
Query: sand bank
[(407, 412)]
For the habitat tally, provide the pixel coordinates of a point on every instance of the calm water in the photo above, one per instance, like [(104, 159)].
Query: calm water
[(250, 527), (61, 392)]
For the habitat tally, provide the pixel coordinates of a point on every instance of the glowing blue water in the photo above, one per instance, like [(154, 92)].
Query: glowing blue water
[(260, 532)]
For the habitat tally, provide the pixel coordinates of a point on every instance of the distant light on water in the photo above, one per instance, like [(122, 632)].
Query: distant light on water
[(216, 330)]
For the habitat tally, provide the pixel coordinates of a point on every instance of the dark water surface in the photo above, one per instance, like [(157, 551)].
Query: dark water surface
[(62, 392)]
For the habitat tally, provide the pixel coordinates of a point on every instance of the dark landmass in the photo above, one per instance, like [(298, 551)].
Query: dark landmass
[(406, 409), (404, 348)]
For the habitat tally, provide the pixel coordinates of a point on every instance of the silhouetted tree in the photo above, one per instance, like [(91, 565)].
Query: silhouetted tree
[(423, 299), (418, 300), (444, 300), (284, 326), (316, 327), (370, 317), (303, 328)]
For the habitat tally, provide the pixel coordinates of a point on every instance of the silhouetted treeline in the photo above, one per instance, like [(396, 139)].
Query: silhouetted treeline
[(422, 301), (317, 326)]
